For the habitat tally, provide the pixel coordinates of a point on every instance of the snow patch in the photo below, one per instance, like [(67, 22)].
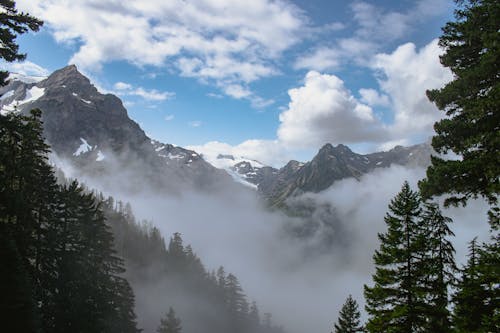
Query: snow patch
[(100, 156), (31, 95), (85, 101), (8, 94), (84, 148), (74, 94)]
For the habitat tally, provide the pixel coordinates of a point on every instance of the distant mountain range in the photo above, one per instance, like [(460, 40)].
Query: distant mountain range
[(329, 165), (93, 132)]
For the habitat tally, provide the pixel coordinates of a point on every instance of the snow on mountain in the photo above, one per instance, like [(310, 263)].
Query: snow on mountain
[(84, 147), (30, 95)]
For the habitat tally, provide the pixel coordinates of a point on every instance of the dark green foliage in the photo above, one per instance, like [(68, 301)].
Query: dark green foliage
[(472, 103), (393, 302), (414, 269), (438, 266), (349, 318), (17, 306), (477, 300), (64, 272), (12, 24), (170, 324)]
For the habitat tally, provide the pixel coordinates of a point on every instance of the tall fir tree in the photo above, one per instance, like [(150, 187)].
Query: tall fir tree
[(394, 303), (477, 300), (471, 103), (349, 318), (439, 266)]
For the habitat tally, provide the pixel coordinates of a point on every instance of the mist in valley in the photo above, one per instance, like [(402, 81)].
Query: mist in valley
[(302, 279)]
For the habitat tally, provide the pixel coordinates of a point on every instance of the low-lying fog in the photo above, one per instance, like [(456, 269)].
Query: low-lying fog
[(302, 282)]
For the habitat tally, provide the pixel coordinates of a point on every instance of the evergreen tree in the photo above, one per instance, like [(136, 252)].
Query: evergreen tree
[(170, 324), (57, 243), (471, 102), (439, 266), (477, 300), (349, 318), (469, 306), (394, 303), (12, 24)]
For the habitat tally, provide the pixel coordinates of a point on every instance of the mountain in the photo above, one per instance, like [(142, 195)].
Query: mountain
[(94, 134), (329, 165)]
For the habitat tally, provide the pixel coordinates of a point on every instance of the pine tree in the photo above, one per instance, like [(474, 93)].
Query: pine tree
[(12, 24), (469, 306), (439, 266), (170, 324), (394, 303), (471, 102), (349, 318), (477, 300)]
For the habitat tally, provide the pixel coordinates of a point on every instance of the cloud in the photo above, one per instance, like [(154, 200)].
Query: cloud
[(374, 29), (25, 68), (195, 123), (320, 59), (126, 89), (169, 117), (373, 98), (405, 75), (323, 110), (222, 41), (268, 152)]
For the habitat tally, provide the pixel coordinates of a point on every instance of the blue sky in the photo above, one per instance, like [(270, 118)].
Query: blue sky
[(271, 80)]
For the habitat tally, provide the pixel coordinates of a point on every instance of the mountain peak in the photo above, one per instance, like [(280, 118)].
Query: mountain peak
[(329, 149), (67, 76)]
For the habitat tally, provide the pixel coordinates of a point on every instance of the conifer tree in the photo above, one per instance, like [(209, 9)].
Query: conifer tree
[(471, 103), (394, 303), (438, 265), (349, 318), (477, 299), (170, 324)]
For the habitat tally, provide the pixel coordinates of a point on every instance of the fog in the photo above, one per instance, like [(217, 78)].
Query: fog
[(301, 280)]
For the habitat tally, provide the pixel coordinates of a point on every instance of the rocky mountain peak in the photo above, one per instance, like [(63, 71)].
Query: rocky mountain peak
[(68, 76), (329, 150)]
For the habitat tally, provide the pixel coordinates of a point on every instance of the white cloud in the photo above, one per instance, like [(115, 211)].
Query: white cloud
[(374, 29), (373, 97), (126, 89), (222, 41), (405, 75), (268, 152), (122, 86), (25, 68), (195, 123), (320, 59), (169, 117), (323, 110), (237, 91)]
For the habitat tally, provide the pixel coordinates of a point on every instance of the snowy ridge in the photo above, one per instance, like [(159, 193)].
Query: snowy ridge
[(31, 95)]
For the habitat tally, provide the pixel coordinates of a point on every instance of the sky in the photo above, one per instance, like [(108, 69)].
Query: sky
[(268, 80)]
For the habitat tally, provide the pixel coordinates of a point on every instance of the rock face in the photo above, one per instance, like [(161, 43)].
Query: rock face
[(94, 133)]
